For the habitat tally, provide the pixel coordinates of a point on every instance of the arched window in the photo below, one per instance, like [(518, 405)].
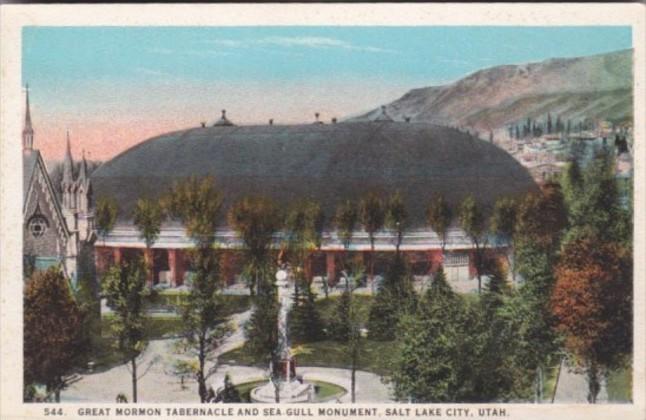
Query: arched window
[(37, 223)]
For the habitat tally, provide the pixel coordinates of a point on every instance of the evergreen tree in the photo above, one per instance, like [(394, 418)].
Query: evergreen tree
[(549, 123), (339, 325), (395, 296), (429, 364), (305, 323), (261, 330)]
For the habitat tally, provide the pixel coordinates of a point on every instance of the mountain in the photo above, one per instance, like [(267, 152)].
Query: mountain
[(595, 87)]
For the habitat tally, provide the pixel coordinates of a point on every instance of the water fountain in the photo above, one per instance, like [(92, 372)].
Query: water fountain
[(283, 373)]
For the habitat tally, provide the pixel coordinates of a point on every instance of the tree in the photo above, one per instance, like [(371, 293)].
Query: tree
[(204, 325), (52, 331), (502, 224), (305, 323), (592, 302), (125, 289), (105, 215), (147, 217), (597, 209), (396, 296), (439, 216), (549, 123), (372, 213), (345, 221), (472, 222), (397, 217), (196, 202), (429, 363), (256, 220), (261, 330), (542, 217)]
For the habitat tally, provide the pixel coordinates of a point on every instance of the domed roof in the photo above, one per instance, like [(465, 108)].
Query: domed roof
[(327, 163)]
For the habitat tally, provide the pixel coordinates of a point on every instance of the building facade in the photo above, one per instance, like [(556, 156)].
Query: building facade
[(55, 232), (325, 163)]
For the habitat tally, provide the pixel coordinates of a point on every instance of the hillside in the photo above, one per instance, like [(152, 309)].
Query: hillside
[(597, 86)]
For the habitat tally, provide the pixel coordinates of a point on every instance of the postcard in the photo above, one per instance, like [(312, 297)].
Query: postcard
[(280, 211)]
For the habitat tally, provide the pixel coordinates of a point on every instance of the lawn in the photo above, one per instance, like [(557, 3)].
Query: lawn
[(375, 355), (106, 355)]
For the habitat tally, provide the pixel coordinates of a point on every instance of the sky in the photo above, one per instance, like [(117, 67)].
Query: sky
[(113, 87)]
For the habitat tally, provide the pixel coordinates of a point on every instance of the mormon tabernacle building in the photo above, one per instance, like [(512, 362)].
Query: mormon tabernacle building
[(326, 163)]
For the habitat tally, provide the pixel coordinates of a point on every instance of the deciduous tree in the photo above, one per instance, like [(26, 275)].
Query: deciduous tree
[(473, 224), (124, 287), (592, 302), (52, 331), (439, 216), (397, 217), (105, 215), (372, 214)]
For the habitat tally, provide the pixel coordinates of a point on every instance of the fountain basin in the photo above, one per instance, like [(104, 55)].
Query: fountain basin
[(290, 392), (322, 391)]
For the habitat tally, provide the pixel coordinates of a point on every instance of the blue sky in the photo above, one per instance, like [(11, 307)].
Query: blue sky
[(116, 84)]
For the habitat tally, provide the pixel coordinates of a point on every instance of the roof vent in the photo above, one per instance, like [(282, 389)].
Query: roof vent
[(223, 121), (203, 124), (383, 116), (317, 121), (334, 120), (271, 121), (407, 119)]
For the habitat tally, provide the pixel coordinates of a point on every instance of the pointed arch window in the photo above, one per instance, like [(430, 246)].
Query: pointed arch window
[(37, 223)]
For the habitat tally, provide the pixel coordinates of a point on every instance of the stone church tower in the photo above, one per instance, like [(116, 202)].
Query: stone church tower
[(57, 227)]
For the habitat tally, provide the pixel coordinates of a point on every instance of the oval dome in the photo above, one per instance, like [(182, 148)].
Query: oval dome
[(323, 162)]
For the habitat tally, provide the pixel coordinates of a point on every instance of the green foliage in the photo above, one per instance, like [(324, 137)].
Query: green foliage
[(196, 202), (261, 330), (105, 215), (305, 324), (472, 219), (304, 227), (125, 289), (372, 215), (439, 216), (148, 217), (345, 221), (255, 220), (429, 362), (397, 217), (503, 219), (594, 207), (203, 315), (52, 330), (395, 297), (339, 325)]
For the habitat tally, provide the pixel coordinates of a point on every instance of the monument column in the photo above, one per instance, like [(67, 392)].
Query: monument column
[(172, 266)]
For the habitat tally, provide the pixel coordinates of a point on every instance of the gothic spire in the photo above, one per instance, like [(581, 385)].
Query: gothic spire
[(68, 164), (28, 130), (83, 170)]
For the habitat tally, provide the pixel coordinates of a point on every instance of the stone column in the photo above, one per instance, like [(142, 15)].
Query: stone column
[(116, 254), (331, 267), (172, 265)]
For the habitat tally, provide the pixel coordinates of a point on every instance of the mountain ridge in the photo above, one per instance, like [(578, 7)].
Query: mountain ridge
[(593, 87)]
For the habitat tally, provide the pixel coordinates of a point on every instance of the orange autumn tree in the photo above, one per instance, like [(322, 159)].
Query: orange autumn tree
[(592, 304)]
